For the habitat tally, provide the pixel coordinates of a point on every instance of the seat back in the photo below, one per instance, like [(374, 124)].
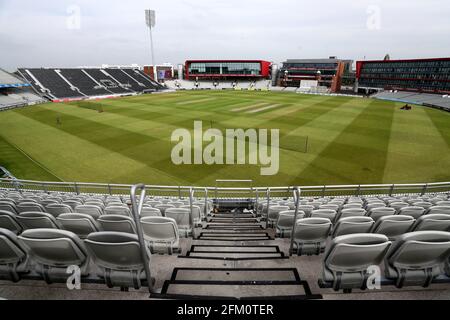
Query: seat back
[(352, 225), (8, 206), (432, 222), (274, 212), (348, 257), (163, 207), (150, 212), (324, 213), (79, 223), (286, 219), (8, 220), (351, 212), (180, 215), (377, 213), (117, 223), (196, 212), (73, 203), (416, 257), (412, 211), (397, 205), (159, 229), (118, 255), (439, 209), (121, 210), (92, 210), (53, 247), (306, 208), (30, 206), (312, 229), (57, 209), (393, 226), (12, 253), (37, 220)]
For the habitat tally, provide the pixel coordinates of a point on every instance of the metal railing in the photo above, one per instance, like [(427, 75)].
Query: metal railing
[(226, 192), (296, 195), (136, 209)]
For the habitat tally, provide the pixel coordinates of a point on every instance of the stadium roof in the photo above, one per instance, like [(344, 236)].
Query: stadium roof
[(8, 80), (313, 60)]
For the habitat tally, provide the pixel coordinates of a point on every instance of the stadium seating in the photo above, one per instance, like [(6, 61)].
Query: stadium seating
[(84, 83), (53, 251), (161, 233), (348, 257), (416, 258), (118, 257), (311, 234), (347, 232)]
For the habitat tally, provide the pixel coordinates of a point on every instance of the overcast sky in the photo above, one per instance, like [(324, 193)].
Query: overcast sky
[(36, 33)]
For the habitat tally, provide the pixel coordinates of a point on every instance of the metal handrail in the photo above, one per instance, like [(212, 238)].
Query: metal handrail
[(136, 211), (191, 205), (297, 201), (122, 189)]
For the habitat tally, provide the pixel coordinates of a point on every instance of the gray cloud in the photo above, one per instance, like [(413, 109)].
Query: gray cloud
[(35, 33)]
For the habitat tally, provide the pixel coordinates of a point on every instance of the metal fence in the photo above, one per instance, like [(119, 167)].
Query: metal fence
[(226, 192)]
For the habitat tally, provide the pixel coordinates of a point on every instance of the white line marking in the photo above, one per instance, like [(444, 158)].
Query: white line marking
[(195, 101), (264, 108), (249, 107)]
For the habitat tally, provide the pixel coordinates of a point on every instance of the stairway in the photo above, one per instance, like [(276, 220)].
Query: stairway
[(235, 237)]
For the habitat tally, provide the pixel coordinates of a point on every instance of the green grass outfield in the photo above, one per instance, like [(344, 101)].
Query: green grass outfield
[(350, 140)]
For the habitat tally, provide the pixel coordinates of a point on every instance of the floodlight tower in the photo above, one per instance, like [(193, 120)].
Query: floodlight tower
[(150, 19)]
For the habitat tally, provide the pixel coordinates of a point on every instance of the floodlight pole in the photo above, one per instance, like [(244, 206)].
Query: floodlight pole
[(151, 22), (153, 54)]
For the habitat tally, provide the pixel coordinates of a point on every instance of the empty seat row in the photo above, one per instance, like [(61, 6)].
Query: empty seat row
[(414, 259), (311, 234), (112, 258)]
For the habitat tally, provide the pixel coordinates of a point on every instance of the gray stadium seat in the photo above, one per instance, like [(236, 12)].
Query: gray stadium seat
[(424, 204), (416, 258), (352, 225), (80, 224), (348, 257), (13, 256), (53, 251), (274, 212), (374, 205), (324, 213), (117, 222), (118, 256), (286, 221), (8, 220), (181, 216), (92, 210), (37, 220), (118, 210), (7, 206), (397, 205), (432, 222), (163, 207), (310, 235), (377, 213), (196, 213), (351, 212), (306, 208), (412, 211), (353, 205), (161, 234), (73, 203), (57, 209), (393, 226), (438, 209), (30, 207), (150, 212)]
